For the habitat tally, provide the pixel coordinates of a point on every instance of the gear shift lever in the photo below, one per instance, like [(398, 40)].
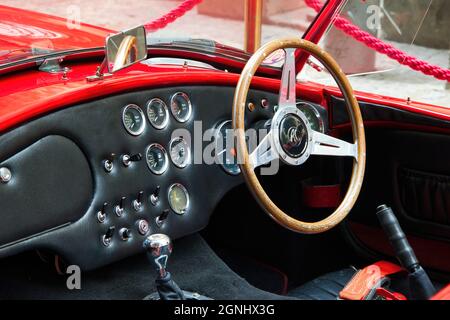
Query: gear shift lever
[(159, 248)]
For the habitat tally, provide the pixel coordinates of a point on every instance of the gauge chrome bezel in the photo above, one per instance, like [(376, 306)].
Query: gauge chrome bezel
[(189, 114), (166, 113), (141, 113), (316, 113), (166, 158), (188, 201), (188, 151), (216, 139)]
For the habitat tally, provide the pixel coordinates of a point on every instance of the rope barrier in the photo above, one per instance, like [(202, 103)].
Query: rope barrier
[(342, 24), (172, 15), (384, 48)]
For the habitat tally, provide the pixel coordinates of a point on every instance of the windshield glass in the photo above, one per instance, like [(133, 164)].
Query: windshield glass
[(23, 35), (413, 34)]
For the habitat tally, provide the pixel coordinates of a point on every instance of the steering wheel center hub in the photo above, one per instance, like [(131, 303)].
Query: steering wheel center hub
[(293, 135)]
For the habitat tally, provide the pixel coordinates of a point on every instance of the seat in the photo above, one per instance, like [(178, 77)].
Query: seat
[(326, 287)]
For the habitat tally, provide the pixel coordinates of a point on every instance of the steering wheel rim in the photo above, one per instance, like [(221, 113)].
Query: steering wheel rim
[(248, 164)]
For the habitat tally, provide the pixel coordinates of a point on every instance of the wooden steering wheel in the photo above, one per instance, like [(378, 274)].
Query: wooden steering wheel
[(291, 138)]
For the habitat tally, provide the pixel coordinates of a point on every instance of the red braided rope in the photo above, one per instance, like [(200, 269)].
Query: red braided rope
[(172, 15), (384, 48)]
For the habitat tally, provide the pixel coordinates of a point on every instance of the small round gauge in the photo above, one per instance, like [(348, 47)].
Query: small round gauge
[(133, 119), (313, 116), (180, 153), (225, 150), (178, 198), (156, 158), (181, 107), (157, 113)]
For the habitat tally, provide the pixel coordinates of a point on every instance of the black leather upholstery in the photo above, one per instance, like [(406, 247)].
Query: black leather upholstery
[(326, 287)]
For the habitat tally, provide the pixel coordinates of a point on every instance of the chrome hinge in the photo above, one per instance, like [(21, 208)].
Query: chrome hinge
[(53, 65)]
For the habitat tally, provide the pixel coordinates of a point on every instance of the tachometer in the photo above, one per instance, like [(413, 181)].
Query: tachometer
[(156, 158), (180, 153), (181, 107), (133, 119), (225, 150), (157, 113), (178, 198), (313, 116)]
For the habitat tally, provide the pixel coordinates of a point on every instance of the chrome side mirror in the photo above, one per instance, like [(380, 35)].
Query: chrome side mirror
[(125, 48)]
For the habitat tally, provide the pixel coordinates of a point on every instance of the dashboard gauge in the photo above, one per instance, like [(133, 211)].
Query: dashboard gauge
[(178, 198), (157, 113), (133, 119), (313, 116), (156, 158), (181, 107), (180, 152), (225, 150)]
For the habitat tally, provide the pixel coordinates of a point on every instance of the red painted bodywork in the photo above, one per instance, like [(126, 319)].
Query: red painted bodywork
[(444, 294), (22, 29)]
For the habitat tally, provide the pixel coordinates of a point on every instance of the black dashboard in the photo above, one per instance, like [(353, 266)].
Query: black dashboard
[(91, 181)]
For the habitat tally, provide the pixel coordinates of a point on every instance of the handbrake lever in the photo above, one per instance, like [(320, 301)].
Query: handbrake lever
[(420, 284)]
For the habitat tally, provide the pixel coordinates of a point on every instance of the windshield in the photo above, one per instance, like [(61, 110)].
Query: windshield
[(385, 46)]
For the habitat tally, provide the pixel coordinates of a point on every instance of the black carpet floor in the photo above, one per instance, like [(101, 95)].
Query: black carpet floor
[(194, 266)]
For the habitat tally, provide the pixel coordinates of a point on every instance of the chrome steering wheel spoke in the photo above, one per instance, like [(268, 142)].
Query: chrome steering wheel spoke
[(326, 145), (287, 95), (264, 152)]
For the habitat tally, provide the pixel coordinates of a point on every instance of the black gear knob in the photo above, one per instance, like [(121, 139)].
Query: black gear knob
[(159, 248)]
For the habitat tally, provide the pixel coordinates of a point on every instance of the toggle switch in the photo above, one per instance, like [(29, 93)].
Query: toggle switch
[(101, 215), (127, 159), (137, 204), (119, 208), (154, 197), (161, 218), (107, 237)]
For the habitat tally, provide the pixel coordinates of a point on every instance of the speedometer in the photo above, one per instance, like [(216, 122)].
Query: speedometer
[(313, 116)]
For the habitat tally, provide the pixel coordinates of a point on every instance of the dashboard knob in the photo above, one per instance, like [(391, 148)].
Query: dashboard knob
[(5, 175), (125, 234)]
